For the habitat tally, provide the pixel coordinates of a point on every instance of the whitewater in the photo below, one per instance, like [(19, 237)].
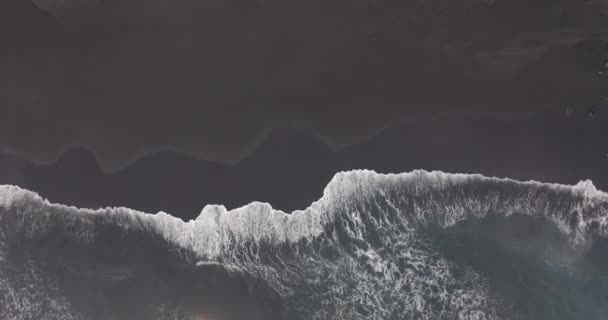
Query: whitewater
[(417, 245)]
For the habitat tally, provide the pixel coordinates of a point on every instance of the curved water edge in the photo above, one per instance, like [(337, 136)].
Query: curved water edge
[(434, 197), (362, 251)]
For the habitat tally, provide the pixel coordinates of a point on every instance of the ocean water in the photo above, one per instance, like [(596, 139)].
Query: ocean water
[(418, 245)]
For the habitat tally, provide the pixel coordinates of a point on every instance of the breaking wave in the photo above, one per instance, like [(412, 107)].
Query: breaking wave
[(415, 245)]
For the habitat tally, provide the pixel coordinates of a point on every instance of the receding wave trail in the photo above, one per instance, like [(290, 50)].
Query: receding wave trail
[(367, 249)]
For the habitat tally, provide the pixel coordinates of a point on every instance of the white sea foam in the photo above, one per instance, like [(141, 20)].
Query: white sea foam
[(357, 247), (435, 197)]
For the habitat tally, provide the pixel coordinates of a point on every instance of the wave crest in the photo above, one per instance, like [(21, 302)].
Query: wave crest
[(363, 243), (419, 198)]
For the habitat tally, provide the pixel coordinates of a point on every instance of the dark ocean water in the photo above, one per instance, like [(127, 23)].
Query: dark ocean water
[(419, 245)]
